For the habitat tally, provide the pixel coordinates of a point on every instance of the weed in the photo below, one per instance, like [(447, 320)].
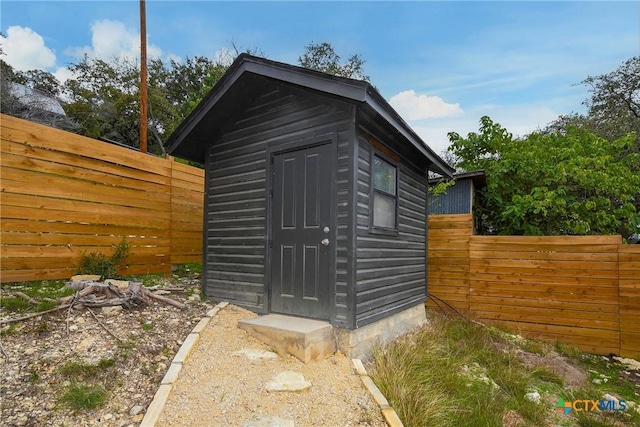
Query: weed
[(166, 351), (15, 304), (9, 330), (129, 344), (42, 327), (77, 370), (82, 396), (46, 305), (188, 269), (547, 376), (33, 376), (147, 326), (106, 267)]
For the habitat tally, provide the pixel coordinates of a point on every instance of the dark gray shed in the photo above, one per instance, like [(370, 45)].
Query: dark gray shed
[(315, 194)]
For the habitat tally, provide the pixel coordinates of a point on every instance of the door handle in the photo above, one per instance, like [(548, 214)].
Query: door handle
[(325, 242)]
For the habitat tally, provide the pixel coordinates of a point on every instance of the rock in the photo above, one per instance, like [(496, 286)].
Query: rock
[(270, 422), (138, 418), (80, 320), (120, 284), (85, 278), (596, 381), (288, 381), (111, 311), (631, 363), (85, 343), (73, 328), (534, 397), (136, 410), (107, 417), (252, 354)]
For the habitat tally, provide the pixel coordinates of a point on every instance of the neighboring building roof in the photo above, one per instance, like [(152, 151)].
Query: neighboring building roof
[(356, 91), (478, 177)]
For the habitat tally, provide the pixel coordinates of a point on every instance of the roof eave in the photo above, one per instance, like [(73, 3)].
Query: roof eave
[(392, 117)]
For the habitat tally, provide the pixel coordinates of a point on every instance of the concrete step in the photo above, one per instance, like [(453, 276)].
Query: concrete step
[(305, 339)]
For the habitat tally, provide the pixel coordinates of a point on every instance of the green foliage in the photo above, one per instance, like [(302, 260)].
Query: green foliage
[(82, 396), (78, 370), (15, 304), (556, 183), (322, 57), (613, 107), (106, 267)]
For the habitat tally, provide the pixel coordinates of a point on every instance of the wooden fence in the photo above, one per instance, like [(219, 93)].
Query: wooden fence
[(64, 195), (580, 290)]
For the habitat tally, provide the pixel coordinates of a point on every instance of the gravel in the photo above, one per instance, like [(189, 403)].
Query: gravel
[(218, 388)]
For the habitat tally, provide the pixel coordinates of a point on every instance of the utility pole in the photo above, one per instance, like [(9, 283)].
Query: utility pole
[(143, 78)]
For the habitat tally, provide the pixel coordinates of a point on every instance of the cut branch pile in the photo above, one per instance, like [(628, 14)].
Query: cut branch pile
[(90, 294)]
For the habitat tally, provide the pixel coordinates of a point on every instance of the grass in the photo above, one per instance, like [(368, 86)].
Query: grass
[(77, 370), (82, 396), (37, 290), (456, 373), (88, 383)]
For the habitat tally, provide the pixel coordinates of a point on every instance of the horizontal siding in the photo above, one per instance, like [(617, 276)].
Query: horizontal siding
[(457, 199), (390, 269), (236, 235)]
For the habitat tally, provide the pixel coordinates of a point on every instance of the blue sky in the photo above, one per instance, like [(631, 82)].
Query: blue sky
[(442, 65)]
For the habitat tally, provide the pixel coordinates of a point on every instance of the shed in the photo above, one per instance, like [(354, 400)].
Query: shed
[(460, 197), (315, 195)]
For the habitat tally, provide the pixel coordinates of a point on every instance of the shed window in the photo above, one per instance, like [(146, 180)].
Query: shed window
[(384, 193)]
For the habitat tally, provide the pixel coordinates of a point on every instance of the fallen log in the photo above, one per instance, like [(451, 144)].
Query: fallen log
[(90, 294)]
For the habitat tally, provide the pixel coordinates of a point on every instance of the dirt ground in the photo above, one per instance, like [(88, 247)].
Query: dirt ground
[(39, 356), (218, 387)]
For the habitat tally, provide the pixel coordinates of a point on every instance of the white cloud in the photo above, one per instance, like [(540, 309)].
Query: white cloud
[(25, 49), (520, 120), (112, 39), (417, 107)]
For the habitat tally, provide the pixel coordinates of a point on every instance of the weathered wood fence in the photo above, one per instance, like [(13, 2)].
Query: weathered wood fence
[(581, 290), (64, 195)]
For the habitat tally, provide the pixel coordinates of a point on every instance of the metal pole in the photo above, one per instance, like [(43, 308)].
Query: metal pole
[(143, 78)]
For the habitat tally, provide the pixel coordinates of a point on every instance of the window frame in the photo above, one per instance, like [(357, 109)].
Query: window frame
[(376, 229)]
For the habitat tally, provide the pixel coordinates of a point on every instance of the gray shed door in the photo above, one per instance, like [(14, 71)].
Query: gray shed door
[(301, 212)]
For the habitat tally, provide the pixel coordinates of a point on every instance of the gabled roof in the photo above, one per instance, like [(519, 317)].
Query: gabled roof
[(362, 93)]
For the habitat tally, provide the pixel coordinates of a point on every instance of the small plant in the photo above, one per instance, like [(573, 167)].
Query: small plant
[(15, 304), (77, 370), (82, 396), (129, 344), (9, 330), (99, 264), (147, 326), (42, 327), (33, 376)]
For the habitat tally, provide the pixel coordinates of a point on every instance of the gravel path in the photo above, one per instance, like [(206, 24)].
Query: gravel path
[(217, 388)]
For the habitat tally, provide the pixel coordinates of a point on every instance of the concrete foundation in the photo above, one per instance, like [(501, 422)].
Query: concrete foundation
[(310, 340), (359, 343)]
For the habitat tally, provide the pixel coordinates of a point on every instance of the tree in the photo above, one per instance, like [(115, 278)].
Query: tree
[(556, 183), (322, 57), (613, 108), (104, 96)]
